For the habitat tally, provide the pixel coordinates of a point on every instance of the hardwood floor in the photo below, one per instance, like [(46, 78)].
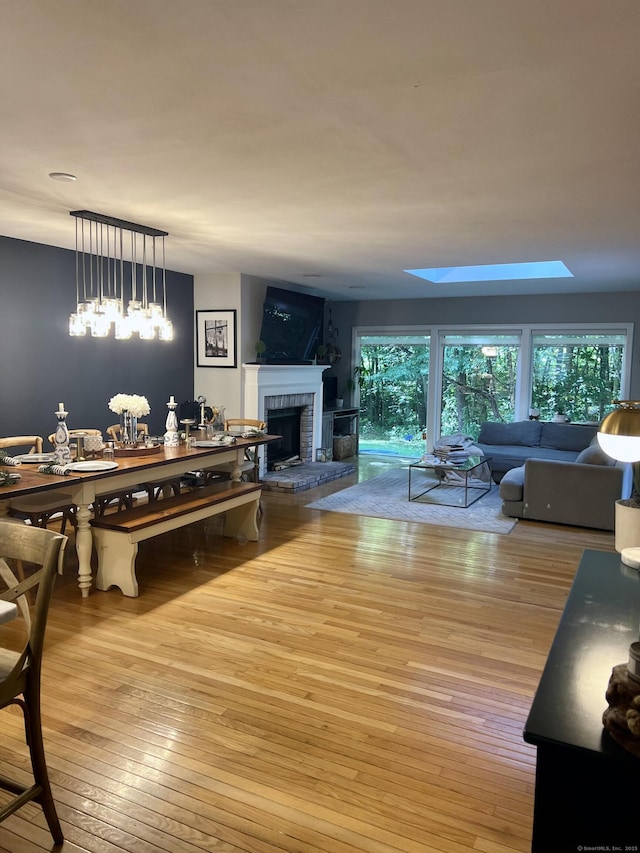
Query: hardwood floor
[(344, 684)]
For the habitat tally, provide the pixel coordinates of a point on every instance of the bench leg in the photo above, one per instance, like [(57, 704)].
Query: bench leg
[(116, 562), (242, 521)]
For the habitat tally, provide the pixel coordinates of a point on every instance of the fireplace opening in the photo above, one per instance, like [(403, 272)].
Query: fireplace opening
[(285, 423)]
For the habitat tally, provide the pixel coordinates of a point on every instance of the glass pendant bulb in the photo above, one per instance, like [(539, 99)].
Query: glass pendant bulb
[(77, 327), (165, 331), (155, 313), (146, 330), (100, 325), (123, 328), (111, 309)]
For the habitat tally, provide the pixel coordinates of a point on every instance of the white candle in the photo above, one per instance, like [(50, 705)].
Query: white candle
[(172, 399), (61, 407)]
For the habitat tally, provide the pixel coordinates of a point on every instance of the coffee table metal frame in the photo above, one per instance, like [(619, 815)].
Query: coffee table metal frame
[(463, 469)]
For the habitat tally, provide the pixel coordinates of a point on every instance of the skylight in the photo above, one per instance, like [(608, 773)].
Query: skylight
[(494, 272)]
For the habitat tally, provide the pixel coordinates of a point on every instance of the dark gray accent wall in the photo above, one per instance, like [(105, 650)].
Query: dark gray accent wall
[(491, 310), (41, 366)]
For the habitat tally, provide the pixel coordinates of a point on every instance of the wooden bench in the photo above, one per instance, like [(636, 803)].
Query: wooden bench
[(117, 534)]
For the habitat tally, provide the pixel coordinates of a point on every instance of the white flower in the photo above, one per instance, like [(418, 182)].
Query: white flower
[(134, 403)]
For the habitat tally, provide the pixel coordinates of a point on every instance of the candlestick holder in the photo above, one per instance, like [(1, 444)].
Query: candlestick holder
[(187, 423), (61, 438)]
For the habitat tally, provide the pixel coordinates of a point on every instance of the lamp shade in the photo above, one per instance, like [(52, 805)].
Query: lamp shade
[(619, 433)]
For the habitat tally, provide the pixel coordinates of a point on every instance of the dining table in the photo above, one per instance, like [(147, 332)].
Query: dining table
[(87, 481)]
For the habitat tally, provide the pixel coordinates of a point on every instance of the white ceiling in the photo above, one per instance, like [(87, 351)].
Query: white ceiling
[(344, 139)]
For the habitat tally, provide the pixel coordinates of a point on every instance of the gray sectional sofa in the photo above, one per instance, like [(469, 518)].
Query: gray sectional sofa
[(555, 472), (510, 445), (581, 493)]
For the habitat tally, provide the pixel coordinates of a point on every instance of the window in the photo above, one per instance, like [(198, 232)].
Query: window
[(577, 374), (451, 379), (479, 375)]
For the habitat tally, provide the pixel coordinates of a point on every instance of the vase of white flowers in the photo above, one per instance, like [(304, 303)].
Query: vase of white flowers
[(130, 407)]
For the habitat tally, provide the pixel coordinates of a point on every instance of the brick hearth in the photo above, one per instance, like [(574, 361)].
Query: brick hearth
[(299, 478)]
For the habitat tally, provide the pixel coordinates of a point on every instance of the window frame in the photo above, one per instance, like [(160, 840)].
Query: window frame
[(525, 331)]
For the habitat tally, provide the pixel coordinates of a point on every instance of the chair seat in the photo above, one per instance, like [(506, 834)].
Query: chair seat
[(40, 508), (42, 502), (8, 660)]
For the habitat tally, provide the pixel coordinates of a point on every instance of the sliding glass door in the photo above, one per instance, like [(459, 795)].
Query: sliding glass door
[(393, 380)]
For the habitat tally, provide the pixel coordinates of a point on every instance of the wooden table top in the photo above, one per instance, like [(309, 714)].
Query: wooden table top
[(31, 480)]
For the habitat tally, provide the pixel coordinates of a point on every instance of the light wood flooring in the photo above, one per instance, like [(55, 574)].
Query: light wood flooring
[(344, 685)]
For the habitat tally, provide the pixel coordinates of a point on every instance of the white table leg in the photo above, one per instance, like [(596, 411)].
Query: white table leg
[(84, 547)]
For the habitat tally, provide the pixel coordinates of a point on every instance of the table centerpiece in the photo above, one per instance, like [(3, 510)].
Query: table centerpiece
[(130, 407)]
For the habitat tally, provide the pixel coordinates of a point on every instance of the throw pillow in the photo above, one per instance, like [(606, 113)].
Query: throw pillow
[(566, 436), (594, 455), (521, 433)]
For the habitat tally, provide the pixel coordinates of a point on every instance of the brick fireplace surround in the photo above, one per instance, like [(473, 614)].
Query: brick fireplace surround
[(283, 386)]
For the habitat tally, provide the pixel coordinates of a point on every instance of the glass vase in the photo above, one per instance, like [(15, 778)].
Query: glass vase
[(128, 429)]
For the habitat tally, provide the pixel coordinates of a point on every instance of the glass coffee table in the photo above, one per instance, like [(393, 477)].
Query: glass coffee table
[(465, 482)]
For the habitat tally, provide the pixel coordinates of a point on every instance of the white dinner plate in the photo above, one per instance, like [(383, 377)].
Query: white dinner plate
[(35, 458), (216, 442), (97, 465)]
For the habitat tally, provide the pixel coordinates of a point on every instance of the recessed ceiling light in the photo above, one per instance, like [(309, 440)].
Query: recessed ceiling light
[(65, 177), (494, 272), (311, 275)]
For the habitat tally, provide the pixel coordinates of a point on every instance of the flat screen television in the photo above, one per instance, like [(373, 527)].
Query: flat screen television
[(292, 325)]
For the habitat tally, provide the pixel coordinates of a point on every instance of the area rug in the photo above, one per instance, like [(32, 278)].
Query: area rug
[(386, 497)]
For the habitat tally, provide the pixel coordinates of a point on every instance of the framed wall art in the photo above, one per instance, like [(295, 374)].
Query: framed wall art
[(216, 338)]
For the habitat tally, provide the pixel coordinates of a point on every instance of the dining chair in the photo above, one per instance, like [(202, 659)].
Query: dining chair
[(113, 431), (154, 490), (123, 500), (41, 508), (16, 442), (41, 552), (74, 433), (249, 467)]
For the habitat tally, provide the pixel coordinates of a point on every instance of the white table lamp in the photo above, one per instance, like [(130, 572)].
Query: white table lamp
[(619, 437)]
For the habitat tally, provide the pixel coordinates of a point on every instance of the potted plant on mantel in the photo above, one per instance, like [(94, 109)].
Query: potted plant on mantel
[(261, 348), (356, 380)]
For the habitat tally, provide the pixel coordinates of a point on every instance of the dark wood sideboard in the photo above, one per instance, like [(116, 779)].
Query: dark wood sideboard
[(587, 793)]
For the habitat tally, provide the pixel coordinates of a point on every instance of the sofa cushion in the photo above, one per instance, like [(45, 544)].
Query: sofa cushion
[(566, 436), (521, 433), (594, 455), (512, 484), (516, 455)]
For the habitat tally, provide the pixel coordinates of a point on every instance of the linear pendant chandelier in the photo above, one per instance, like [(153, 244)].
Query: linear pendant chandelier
[(119, 284)]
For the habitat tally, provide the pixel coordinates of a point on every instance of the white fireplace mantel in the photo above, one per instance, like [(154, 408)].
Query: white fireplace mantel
[(270, 380)]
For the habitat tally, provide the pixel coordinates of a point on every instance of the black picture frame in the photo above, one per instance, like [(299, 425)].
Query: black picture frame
[(216, 339)]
